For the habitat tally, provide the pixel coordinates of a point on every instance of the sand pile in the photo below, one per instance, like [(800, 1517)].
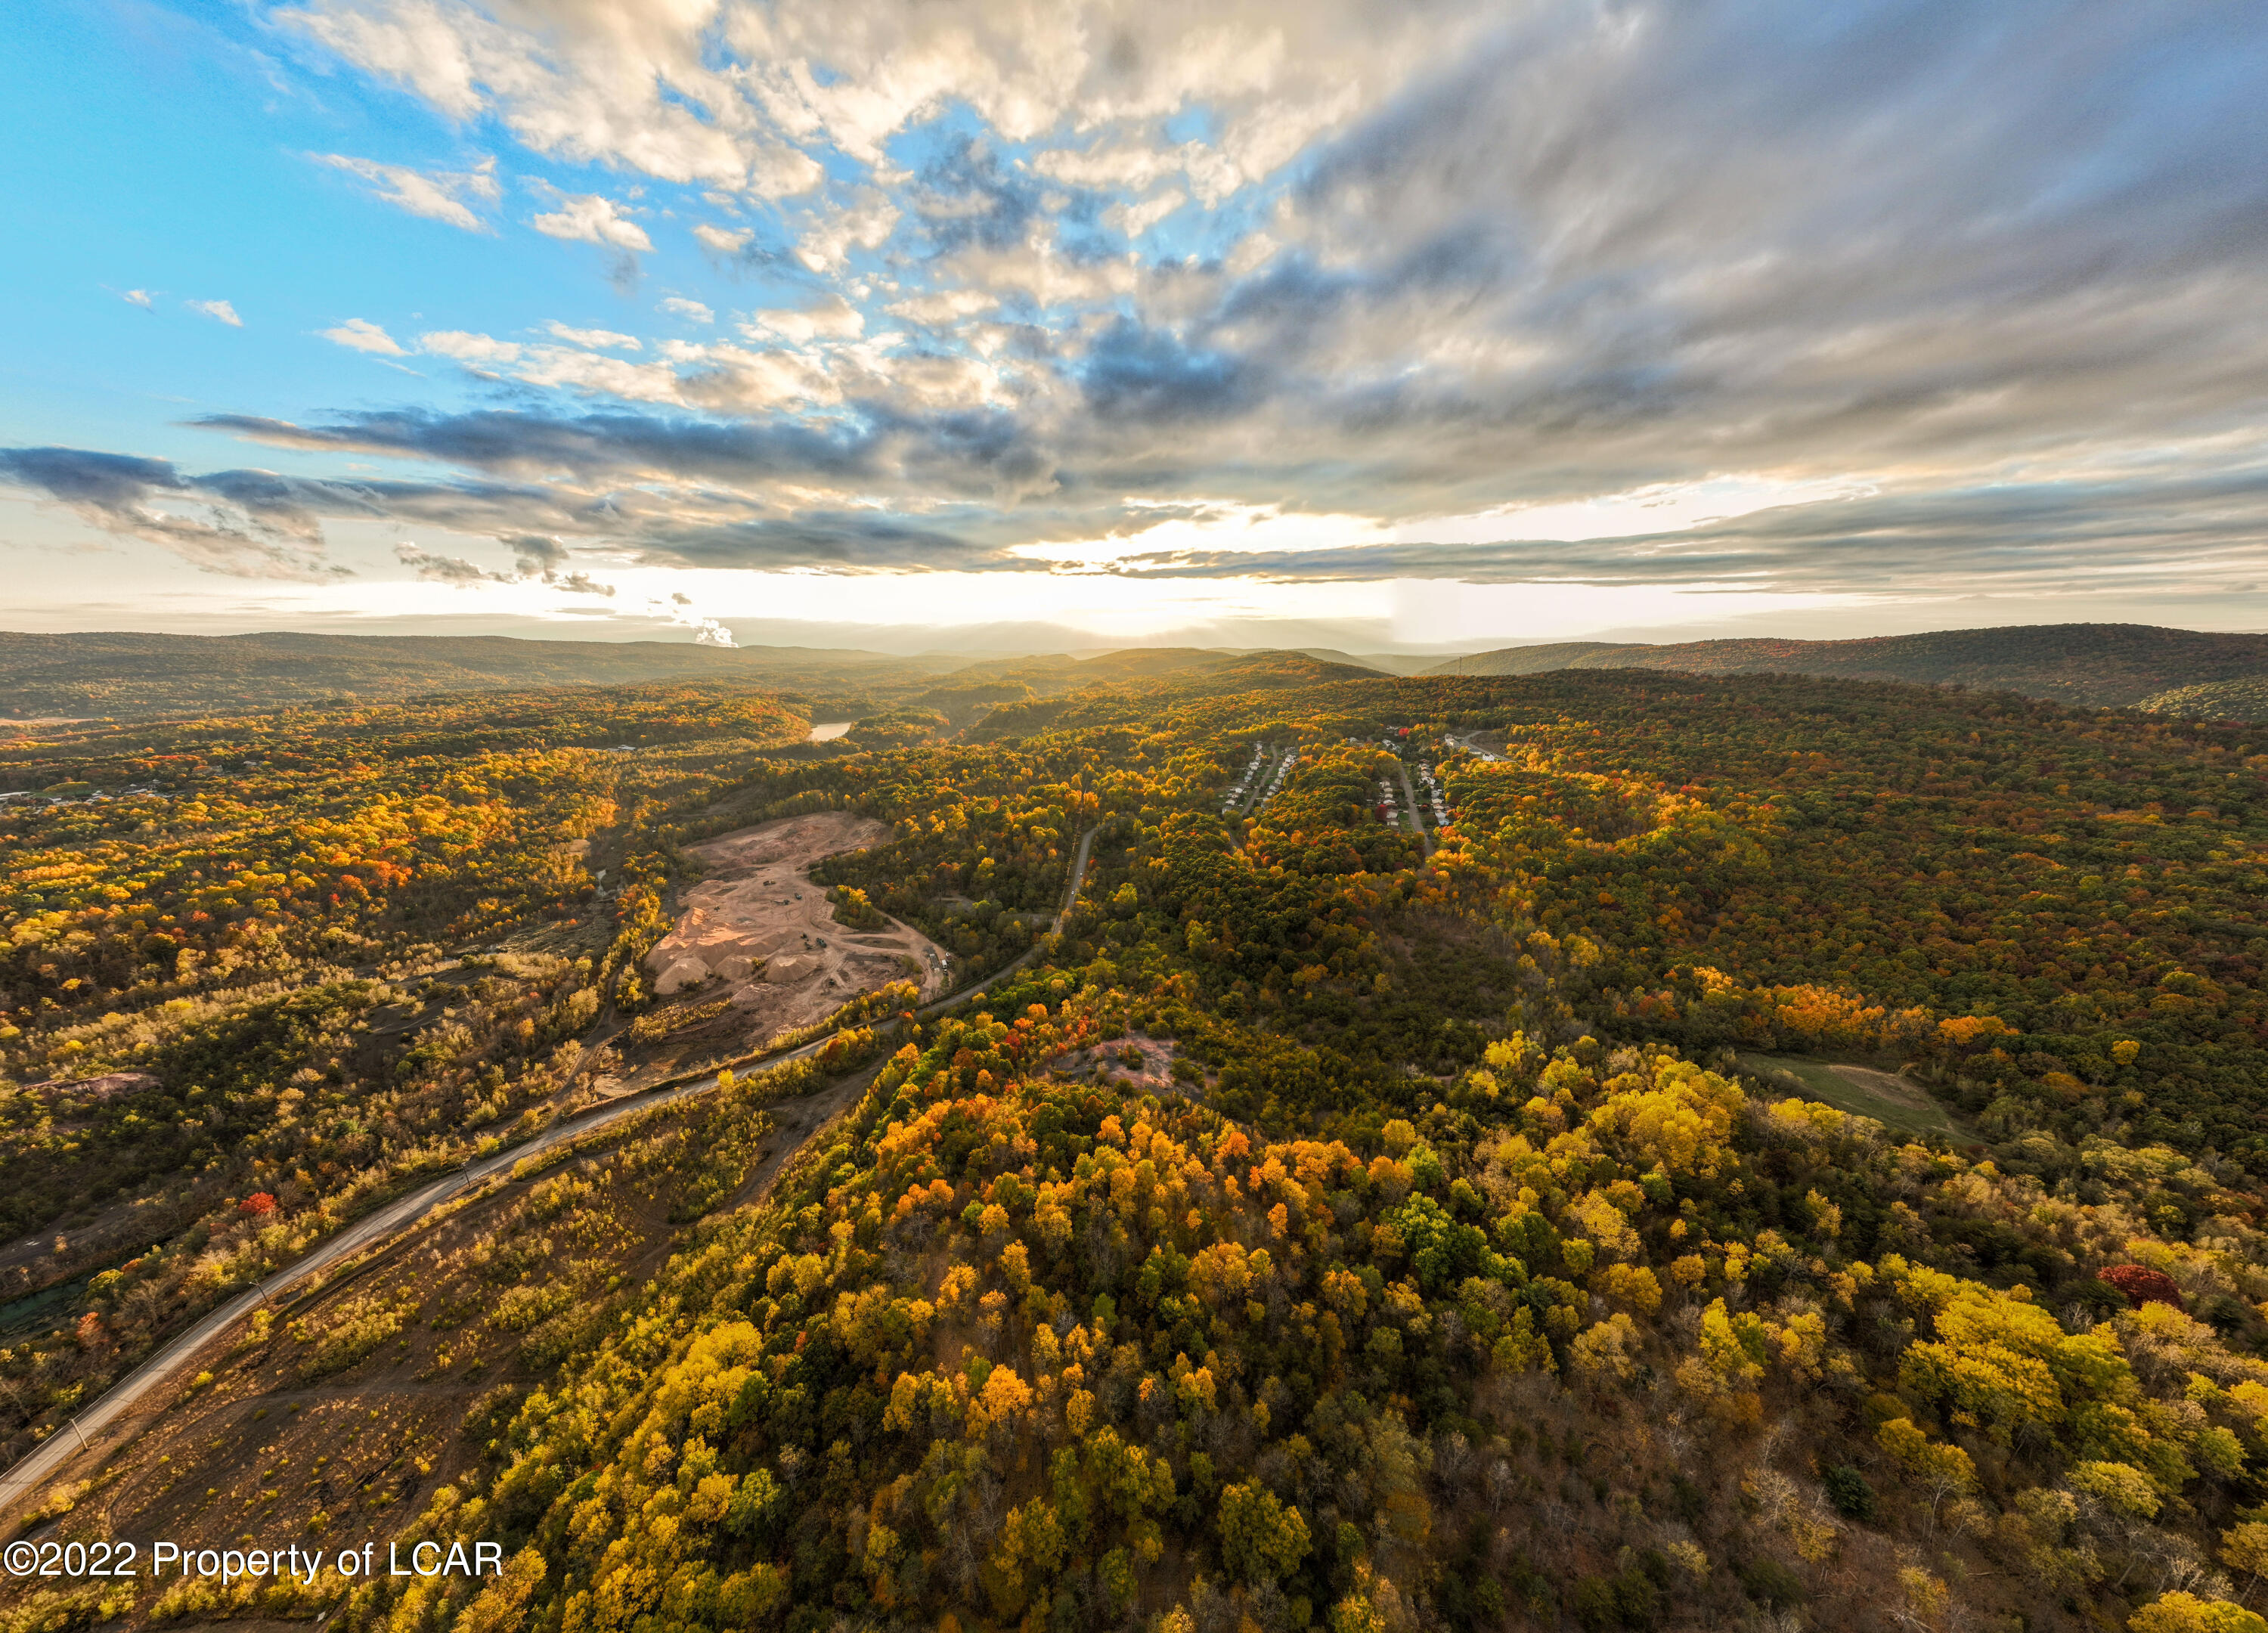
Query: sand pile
[(759, 929)]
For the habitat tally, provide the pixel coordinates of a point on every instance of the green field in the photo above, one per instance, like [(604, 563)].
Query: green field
[(1912, 1111)]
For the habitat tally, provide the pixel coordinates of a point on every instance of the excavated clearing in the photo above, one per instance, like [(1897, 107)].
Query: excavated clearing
[(766, 936)]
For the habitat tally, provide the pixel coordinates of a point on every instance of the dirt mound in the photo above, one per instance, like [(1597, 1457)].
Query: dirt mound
[(759, 935), (109, 1086)]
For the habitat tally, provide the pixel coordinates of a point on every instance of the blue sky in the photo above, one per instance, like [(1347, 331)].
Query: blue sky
[(1389, 325)]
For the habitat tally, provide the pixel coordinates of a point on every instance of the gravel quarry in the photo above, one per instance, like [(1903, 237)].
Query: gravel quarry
[(759, 934)]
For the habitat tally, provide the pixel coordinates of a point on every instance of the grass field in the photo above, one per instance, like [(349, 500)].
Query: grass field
[(1892, 1100)]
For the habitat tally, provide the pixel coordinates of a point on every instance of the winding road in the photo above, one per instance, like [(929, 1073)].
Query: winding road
[(799, 1118)]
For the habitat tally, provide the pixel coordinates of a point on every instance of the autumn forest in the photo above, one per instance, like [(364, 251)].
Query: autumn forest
[(1604, 1149)]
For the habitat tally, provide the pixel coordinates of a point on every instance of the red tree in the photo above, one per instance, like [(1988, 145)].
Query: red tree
[(2141, 1284)]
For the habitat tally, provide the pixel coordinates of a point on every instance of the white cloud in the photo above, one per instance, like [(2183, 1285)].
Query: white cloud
[(1212, 525), (727, 378), (593, 219), (625, 83), (1134, 166), (436, 194), (361, 334), (220, 311), (136, 298), (595, 338), (1664, 507), (724, 242), (1134, 219), (829, 235), (943, 307), (833, 318), (590, 370), (679, 610), (691, 310), (468, 348)]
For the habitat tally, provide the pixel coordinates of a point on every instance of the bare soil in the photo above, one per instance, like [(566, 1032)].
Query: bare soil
[(1136, 1064), (473, 1311), (758, 935), (1896, 1090)]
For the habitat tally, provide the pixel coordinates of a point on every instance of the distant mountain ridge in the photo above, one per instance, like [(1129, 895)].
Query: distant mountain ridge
[(2098, 666), (130, 675), (123, 675)]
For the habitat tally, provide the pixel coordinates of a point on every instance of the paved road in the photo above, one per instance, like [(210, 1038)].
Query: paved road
[(800, 1118), (123, 1395), (1409, 793), (1259, 789), (1259, 795), (1063, 914)]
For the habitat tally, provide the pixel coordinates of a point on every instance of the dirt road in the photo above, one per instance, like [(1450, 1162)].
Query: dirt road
[(796, 1120)]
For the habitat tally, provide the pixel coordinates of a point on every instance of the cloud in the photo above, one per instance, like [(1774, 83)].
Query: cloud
[(136, 298), (534, 553), (593, 219), (1137, 373), (468, 348), (219, 310), (360, 335), (623, 83), (453, 571), (944, 306), (536, 558), (261, 523), (679, 610), (1135, 219), (834, 319), (1496, 282), (978, 455), (435, 194), (827, 234), (595, 338), (241, 523)]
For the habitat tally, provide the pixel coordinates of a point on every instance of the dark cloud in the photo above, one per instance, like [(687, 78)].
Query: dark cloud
[(117, 484), (598, 445), (534, 553), (2007, 262), (238, 523), (965, 197), (2003, 538), (1793, 232), (452, 570), (694, 526), (852, 539), (981, 451), (1137, 373)]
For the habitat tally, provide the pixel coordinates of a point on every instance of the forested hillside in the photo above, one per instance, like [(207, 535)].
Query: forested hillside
[(1784, 1154), (135, 676), (2245, 699), (2117, 665)]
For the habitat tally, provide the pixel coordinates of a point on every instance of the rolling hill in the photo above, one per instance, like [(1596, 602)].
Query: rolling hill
[(136, 676), (2115, 666), (2245, 699), (1774, 1146)]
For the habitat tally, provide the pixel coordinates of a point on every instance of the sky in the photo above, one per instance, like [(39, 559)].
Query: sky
[(988, 323)]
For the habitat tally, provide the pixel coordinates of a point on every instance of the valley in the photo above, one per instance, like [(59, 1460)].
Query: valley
[(1611, 1206)]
